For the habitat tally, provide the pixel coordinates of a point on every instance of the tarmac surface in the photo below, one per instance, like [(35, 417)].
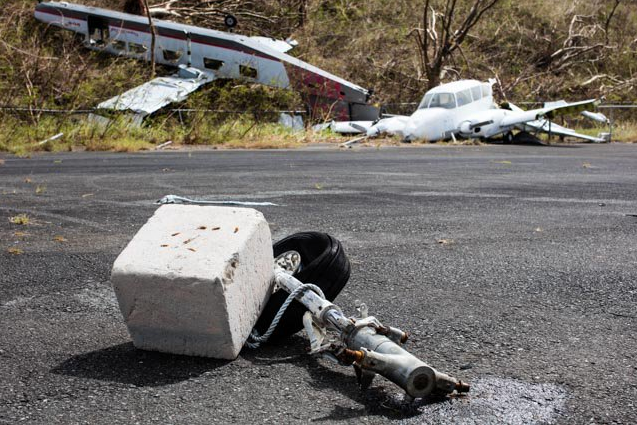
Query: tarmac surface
[(513, 267)]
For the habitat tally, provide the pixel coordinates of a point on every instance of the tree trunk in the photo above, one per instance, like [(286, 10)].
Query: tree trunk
[(152, 39)]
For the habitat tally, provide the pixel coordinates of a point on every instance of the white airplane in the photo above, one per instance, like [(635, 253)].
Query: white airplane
[(201, 56), (466, 109)]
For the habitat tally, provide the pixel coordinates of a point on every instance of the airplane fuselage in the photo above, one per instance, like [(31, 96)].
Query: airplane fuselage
[(226, 55), (463, 108)]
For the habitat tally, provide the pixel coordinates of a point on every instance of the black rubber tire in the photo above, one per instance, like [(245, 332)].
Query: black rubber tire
[(324, 264), (230, 21), (507, 138)]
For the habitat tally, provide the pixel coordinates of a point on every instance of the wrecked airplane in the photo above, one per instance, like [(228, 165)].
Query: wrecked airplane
[(203, 55), (466, 109)]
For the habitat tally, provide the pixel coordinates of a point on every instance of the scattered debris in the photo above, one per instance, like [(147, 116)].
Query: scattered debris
[(163, 145), (20, 219), (352, 142), (50, 139), (361, 341), (294, 122), (174, 199)]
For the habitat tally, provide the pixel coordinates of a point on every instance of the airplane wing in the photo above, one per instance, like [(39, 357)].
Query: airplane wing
[(550, 111), (159, 92), (558, 130)]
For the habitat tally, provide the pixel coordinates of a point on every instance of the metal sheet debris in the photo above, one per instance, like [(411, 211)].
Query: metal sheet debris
[(159, 92)]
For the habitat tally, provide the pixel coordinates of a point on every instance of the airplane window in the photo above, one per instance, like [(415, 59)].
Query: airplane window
[(213, 64), (98, 31), (464, 97), (137, 48), (425, 101), (119, 45), (486, 90), (248, 71), (172, 55), (475, 91), (443, 100)]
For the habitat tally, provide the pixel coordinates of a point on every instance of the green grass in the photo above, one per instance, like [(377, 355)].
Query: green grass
[(23, 138)]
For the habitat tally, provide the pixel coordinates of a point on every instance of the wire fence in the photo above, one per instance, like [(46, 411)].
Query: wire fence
[(403, 108)]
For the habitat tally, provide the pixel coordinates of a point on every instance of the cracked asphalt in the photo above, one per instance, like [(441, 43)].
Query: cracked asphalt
[(513, 267)]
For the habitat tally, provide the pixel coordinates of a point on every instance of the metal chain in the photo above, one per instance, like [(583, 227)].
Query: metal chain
[(255, 340)]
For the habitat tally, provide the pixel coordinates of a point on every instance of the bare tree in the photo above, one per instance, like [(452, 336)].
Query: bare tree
[(437, 40), (153, 37)]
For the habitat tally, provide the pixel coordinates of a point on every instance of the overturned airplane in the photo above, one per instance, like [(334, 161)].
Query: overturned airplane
[(466, 109), (203, 55)]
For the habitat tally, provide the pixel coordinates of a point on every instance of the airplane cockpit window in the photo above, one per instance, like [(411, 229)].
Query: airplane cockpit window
[(425, 101), (486, 90), (475, 91), (443, 100), (464, 97)]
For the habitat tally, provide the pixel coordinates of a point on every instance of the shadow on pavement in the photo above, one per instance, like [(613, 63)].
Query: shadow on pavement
[(375, 401), (126, 364)]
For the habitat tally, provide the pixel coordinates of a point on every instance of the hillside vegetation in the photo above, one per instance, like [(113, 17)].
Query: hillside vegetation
[(537, 50)]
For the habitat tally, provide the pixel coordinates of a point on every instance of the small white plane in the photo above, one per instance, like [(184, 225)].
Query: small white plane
[(466, 109), (201, 56)]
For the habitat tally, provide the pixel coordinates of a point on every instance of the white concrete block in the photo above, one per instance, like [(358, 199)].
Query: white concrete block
[(195, 279)]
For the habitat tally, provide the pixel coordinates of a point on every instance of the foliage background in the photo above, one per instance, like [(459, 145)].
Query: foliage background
[(367, 42)]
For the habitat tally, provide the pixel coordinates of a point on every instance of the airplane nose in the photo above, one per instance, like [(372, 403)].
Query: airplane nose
[(426, 124)]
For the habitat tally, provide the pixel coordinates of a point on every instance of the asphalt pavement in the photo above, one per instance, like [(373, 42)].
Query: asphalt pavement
[(513, 267)]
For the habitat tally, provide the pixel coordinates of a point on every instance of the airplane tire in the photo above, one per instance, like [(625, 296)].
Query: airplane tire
[(323, 263), (507, 138), (230, 21)]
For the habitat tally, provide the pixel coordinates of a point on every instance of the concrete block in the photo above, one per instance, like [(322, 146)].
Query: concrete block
[(195, 279)]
